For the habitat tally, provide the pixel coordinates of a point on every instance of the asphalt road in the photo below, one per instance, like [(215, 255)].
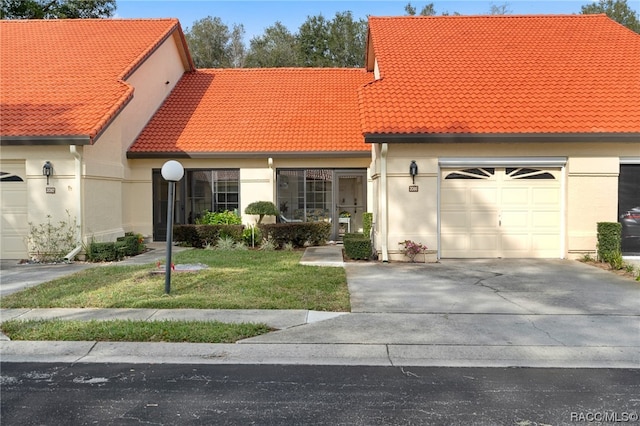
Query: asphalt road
[(128, 394)]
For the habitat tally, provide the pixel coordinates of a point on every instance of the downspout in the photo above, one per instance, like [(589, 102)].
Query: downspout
[(384, 203), (73, 149)]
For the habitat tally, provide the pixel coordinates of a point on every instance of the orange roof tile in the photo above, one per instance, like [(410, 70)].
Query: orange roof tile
[(66, 77), (259, 110), (502, 74)]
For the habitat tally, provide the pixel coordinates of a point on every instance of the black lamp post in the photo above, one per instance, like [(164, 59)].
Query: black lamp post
[(172, 171), (413, 171)]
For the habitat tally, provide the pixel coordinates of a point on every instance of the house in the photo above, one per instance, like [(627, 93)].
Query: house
[(492, 136), (525, 131)]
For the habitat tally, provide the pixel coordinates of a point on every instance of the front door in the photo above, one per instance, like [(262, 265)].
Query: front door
[(350, 202)]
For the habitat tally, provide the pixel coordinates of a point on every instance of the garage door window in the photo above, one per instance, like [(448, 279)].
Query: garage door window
[(9, 177), (477, 173)]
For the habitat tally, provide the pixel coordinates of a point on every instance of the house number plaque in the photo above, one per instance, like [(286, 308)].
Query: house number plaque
[(51, 189), (413, 188)]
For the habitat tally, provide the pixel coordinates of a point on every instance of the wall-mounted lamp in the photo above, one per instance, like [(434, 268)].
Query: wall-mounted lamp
[(413, 171), (47, 170)]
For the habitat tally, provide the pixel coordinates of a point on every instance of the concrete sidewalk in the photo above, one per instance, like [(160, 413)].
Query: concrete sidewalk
[(495, 313)]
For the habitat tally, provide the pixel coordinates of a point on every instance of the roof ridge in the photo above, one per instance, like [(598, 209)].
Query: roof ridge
[(63, 21), (540, 15)]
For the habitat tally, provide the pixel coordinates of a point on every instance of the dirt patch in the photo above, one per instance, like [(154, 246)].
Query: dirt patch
[(620, 272)]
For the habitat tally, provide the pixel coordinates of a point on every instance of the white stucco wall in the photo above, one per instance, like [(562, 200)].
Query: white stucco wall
[(590, 182)]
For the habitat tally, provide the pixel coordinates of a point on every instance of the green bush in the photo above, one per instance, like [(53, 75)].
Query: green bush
[(199, 236), (609, 239), (261, 208), (49, 242), (252, 236), (105, 252), (357, 246), (132, 244), (367, 223), (219, 218), (298, 234)]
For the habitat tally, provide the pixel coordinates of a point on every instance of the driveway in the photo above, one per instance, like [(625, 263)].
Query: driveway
[(510, 286)]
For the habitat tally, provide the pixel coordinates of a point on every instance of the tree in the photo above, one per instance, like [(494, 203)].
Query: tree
[(261, 208), (502, 9), (339, 42), (212, 45), (313, 42), (618, 10), (276, 48), (347, 39), (56, 9), (427, 10)]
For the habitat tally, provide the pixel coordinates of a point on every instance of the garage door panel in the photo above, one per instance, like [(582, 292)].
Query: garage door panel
[(13, 200), (515, 196), (545, 196), (503, 214)]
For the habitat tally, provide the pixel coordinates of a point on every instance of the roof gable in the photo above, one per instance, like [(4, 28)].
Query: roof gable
[(66, 78), (576, 74), (248, 111)]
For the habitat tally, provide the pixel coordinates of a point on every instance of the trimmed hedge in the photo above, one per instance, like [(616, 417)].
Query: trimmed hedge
[(132, 244), (106, 252), (199, 236), (367, 223), (357, 246), (298, 234), (609, 240)]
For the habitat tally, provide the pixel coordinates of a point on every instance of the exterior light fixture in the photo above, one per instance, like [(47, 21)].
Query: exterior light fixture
[(172, 171), (47, 170), (413, 171)]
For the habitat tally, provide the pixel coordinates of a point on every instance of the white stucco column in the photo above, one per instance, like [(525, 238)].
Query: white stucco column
[(384, 204)]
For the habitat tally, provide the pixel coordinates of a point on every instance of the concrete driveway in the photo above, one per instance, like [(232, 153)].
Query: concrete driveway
[(485, 312), (513, 286)]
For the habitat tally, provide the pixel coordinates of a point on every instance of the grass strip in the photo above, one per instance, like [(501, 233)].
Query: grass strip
[(247, 279), (132, 331)]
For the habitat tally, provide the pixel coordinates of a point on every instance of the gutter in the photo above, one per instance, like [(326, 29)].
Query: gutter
[(73, 149), (384, 203), (499, 137)]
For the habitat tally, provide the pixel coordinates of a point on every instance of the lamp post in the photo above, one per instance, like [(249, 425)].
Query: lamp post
[(172, 171)]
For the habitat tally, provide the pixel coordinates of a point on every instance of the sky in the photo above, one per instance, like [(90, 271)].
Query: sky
[(258, 15)]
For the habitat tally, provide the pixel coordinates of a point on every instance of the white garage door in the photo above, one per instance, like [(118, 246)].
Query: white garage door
[(13, 199), (500, 212)]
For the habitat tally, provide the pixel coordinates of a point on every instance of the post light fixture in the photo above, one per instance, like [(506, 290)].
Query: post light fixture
[(47, 170), (413, 171), (172, 171)]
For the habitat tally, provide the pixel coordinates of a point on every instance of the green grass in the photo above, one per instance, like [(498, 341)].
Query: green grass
[(132, 331), (235, 280)]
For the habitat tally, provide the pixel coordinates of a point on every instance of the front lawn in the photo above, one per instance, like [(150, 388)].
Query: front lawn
[(235, 280)]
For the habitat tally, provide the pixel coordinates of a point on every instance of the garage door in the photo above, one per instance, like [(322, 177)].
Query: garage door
[(13, 199), (500, 212)]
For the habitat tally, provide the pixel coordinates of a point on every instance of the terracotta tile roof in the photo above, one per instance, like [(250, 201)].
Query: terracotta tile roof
[(65, 77), (502, 74), (259, 110)]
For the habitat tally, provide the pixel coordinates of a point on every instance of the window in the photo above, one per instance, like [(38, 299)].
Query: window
[(629, 207), (477, 173), (305, 195)]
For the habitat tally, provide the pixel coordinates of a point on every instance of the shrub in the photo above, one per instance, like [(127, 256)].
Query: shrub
[(609, 238), (48, 242), (199, 236), (219, 218), (298, 234), (357, 246), (268, 245), (225, 243), (252, 236), (411, 249), (261, 208), (367, 223), (105, 252), (132, 244)]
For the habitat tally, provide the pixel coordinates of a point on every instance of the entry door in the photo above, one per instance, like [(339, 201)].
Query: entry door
[(350, 202), (500, 213)]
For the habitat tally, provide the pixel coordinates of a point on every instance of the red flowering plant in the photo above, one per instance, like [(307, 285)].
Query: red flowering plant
[(412, 249)]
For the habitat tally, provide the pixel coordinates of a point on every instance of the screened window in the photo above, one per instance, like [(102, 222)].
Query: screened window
[(211, 190), (305, 195)]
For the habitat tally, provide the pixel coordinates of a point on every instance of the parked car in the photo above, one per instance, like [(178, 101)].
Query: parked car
[(630, 221)]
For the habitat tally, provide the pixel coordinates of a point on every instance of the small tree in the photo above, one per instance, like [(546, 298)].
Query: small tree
[(262, 208)]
